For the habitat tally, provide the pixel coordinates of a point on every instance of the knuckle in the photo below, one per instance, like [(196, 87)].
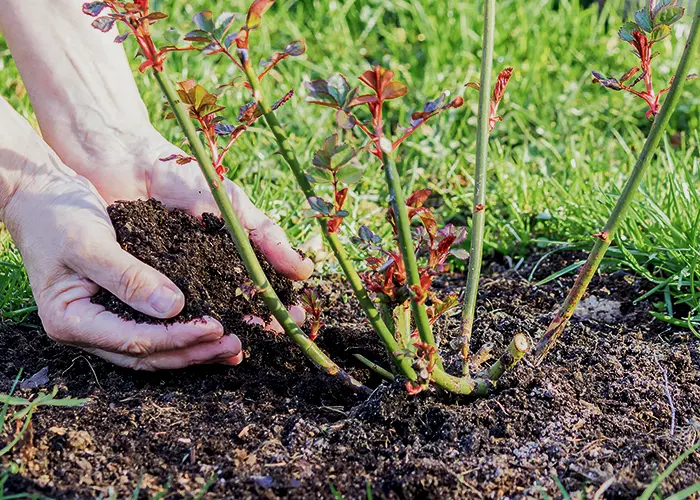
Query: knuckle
[(131, 283), (138, 348)]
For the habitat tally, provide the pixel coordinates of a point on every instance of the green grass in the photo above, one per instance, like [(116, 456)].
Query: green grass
[(557, 161)]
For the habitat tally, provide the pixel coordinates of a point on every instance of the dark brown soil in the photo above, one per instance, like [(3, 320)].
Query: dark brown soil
[(595, 415), (198, 255)]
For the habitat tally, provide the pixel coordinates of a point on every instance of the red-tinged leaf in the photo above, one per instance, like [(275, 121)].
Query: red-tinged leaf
[(364, 99), (94, 9), (121, 38), (340, 197), (145, 65), (286, 97), (629, 74), (417, 198), (473, 85), (198, 36), (104, 24), (394, 90), (256, 11), (156, 16), (500, 88), (180, 159)]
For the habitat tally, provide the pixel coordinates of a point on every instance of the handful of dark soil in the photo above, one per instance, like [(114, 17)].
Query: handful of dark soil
[(198, 255)]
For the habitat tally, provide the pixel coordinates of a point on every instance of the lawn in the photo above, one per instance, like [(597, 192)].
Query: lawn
[(557, 164)]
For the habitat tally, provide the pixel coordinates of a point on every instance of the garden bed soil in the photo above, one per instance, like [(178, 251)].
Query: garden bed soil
[(594, 417)]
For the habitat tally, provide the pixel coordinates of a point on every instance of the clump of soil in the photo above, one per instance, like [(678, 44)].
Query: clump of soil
[(198, 255), (595, 416)]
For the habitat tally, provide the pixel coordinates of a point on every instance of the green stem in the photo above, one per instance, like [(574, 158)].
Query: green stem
[(587, 272), (408, 254), (382, 372), (242, 242), (479, 209), (517, 348), (332, 239)]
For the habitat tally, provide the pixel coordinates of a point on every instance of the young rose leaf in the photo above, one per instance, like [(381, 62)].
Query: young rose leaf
[(121, 38), (320, 94), (296, 48), (659, 33), (286, 97), (256, 11), (338, 87), (656, 5), (501, 82), (668, 15), (180, 159), (459, 253), (643, 19), (205, 21), (172, 36), (223, 24), (230, 39), (156, 16), (692, 76), (247, 112), (94, 9), (395, 90), (104, 24), (320, 176), (625, 32), (198, 36), (320, 206), (473, 85), (345, 120), (610, 83), (211, 49), (349, 174), (629, 74)]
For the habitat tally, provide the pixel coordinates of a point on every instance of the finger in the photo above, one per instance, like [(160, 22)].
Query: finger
[(270, 238), (191, 193), (234, 361), (226, 350), (133, 282), (73, 319)]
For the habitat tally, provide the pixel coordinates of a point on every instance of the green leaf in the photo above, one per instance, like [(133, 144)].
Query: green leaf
[(198, 36), (223, 24), (659, 33), (643, 19), (668, 15), (350, 174), (344, 120), (205, 21), (341, 155), (320, 176), (625, 32), (338, 87), (172, 36), (659, 4), (319, 205)]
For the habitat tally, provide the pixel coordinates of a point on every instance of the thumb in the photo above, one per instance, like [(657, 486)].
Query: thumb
[(133, 282)]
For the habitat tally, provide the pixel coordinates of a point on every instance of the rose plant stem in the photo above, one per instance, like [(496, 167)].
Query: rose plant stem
[(332, 239), (243, 245), (587, 272), (479, 210)]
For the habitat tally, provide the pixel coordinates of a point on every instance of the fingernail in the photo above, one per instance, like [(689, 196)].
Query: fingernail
[(224, 355), (210, 337), (163, 299)]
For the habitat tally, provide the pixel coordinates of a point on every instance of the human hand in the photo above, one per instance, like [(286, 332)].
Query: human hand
[(69, 248)]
